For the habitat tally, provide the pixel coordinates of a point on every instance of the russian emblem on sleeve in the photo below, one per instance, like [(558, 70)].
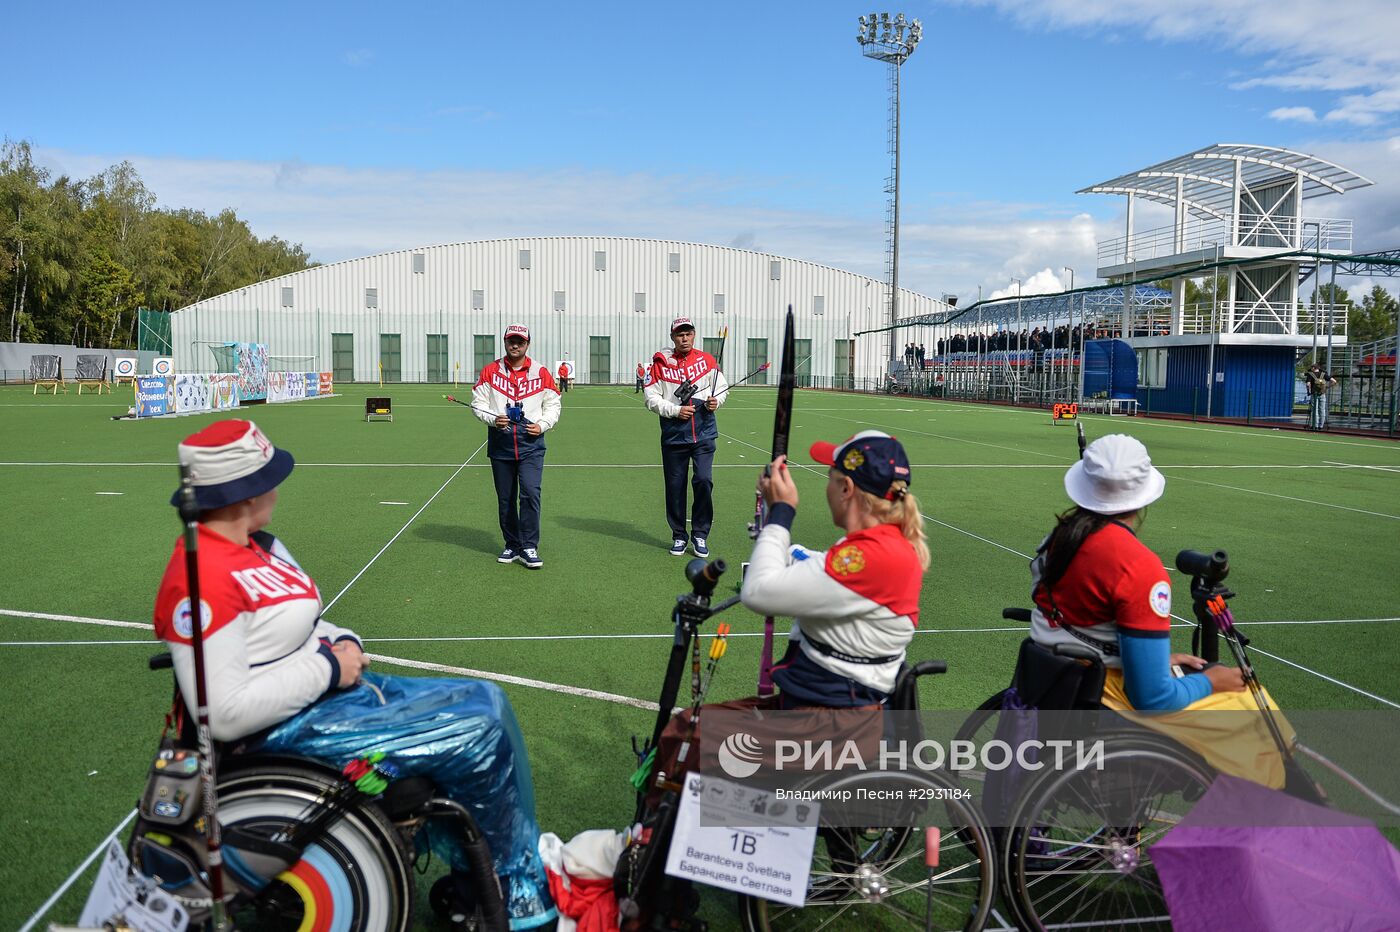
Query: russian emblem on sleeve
[(849, 559)]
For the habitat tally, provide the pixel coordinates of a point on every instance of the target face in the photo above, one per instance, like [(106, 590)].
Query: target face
[(125, 367), (163, 365)]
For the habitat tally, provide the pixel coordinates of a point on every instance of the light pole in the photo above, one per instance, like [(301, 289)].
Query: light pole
[(1015, 376), (891, 41)]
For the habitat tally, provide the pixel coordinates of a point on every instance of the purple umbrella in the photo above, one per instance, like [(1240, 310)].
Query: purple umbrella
[(1249, 858)]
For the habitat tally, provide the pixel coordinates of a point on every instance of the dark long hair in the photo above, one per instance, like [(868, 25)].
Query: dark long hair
[(1072, 528)]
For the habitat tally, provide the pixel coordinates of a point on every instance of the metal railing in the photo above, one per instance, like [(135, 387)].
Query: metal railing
[(1261, 230)]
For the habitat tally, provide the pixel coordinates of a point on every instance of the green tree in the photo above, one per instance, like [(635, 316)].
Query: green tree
[(1374, 319), (78, 257)]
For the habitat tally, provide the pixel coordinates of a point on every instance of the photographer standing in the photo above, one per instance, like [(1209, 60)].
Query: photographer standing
[(1319, 383), (685, 388), (517, 398)]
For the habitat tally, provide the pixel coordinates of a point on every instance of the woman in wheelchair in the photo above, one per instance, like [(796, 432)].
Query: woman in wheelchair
[(1096, 585), (282, 680), (854, 607)]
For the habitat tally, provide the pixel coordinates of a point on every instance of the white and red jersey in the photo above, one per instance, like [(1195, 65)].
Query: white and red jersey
[(267, 652), (668, 372), (532, 387), (860, 599)]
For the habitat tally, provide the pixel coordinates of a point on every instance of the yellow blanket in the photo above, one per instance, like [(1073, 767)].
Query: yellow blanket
[(1224, 728)]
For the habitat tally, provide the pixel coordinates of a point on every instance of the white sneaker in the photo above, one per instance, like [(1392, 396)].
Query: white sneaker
[(678, 547), (531, 558), (702, 549)]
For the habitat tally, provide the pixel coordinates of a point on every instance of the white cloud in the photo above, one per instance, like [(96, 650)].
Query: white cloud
[(358, 58), (1302, 114), (1046, 281), (1313, 46), (954, 247), (339, 213)]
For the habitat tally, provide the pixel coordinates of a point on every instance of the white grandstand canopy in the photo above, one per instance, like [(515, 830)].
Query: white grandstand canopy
[(1207, 179)]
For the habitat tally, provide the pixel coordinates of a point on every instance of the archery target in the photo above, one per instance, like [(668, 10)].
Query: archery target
[(162, 366)]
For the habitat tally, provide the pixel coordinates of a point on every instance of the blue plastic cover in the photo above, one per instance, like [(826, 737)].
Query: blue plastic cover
[(463, 735)]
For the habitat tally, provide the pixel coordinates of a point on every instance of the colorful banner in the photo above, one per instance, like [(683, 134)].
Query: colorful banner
[(325, 388), (192, 393), (153, 396), (313, 383), (276, 387), (250, 370), (296, 386), (223, 392)]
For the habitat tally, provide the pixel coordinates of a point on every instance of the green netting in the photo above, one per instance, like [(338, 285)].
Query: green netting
[(153, 331), (225, 357)]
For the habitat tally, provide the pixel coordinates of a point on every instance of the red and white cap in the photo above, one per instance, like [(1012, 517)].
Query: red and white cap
[(231, 461), (682, 323), (518, 330)]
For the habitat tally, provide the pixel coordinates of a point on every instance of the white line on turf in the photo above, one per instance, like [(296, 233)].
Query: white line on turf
[(78, 619), (1291, 498), (393, 503), (109, 493), (517, 681), (1257, 650), (633, 637), (401, 530), (1361, 466), (73, 877)]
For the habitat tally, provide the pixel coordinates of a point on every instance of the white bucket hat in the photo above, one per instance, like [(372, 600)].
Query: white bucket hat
[(1114, 476)]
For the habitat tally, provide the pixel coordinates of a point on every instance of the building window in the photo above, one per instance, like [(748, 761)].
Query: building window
[(371, 297), (418, 263), (673, 262), (286, 297), (524, 258), (639, 302), (478, 299), (819, 304), (775, 271), (719, 304), (558, 300), (600, 261)]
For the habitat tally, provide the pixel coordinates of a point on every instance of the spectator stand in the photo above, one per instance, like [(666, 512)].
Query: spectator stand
[(47, 371), (92, 373)]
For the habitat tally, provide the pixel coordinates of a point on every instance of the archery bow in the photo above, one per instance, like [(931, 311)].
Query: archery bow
[(782, 426)]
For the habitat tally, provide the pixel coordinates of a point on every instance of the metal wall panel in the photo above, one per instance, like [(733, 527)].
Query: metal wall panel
[(329, 299)]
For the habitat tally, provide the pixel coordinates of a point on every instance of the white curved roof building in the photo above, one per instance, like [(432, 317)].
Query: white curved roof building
[(605, 303)]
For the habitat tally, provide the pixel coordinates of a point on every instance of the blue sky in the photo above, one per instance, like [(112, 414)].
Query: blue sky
[(356, 128)]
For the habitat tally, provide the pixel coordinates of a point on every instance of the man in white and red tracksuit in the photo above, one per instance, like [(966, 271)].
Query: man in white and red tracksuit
[(517, 398), (688, 431)]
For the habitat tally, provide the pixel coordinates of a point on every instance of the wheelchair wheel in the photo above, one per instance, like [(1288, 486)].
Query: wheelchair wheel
[(881, 878), (1078, 855), (358, 877)]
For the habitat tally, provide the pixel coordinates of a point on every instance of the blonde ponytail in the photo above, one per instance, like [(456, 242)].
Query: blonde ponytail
[(903, 511)]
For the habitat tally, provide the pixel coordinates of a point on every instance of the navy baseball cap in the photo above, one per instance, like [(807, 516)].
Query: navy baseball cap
[(873, 460)]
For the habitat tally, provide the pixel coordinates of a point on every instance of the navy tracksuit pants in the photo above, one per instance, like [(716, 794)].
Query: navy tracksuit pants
[(676, 460), (518, 494)]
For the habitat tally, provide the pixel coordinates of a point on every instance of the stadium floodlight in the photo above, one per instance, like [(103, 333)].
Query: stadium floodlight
[(898, 37)]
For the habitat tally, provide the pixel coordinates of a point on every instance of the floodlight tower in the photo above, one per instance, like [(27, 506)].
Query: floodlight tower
[(891, 41)]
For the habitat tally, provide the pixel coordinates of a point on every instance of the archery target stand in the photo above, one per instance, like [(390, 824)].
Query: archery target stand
[(381, 409)]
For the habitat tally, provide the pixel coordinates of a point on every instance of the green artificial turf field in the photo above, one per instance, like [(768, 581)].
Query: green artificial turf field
[(396, 521)]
